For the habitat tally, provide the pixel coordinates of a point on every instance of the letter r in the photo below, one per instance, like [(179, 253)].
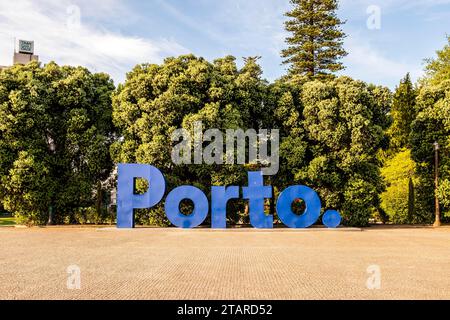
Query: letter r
[(219, 199), (127, 200)]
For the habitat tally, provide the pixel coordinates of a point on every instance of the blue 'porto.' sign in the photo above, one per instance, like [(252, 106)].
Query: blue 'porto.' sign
[(256, 193)]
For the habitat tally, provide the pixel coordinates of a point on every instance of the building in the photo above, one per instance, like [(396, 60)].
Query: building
[(24, 55), (23, 58)]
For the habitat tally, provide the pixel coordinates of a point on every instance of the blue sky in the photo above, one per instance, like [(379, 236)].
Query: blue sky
[(114, 35)]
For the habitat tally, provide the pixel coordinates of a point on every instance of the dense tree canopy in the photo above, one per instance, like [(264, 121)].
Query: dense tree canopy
[(433, 125), (399, 199), (331, 134), (55, 133), (62, 128), (158, 99), (403, 112), (420, 117)]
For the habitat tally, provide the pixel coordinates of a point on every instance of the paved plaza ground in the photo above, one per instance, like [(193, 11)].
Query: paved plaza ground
[(231, 264)]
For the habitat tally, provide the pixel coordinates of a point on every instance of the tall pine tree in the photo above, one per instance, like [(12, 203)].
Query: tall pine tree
[(403, 114), (316, 42)]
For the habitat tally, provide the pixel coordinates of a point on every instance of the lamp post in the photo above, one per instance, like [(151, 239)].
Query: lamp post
[(437, 222), (51, 211)]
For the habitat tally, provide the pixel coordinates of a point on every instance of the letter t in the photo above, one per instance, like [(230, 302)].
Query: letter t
[(256, 193)]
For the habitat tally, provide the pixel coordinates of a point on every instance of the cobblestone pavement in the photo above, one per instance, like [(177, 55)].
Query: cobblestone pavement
[(232, 264)]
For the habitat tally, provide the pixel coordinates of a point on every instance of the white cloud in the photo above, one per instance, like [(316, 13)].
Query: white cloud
[(373, 66), (51, 25)]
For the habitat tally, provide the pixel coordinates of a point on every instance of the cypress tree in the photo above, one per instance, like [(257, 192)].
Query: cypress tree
[(411, 200), (403, 114), (316, 42)]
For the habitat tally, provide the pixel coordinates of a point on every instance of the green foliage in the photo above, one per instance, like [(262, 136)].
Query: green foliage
[(444, 193), (89, 215), (398, 199), (438, 69), (411, 199), (58, 125), (7, 221), (331, 134), (55, 133), (432, 125), (157, 99), (403, 113), (315, 44)]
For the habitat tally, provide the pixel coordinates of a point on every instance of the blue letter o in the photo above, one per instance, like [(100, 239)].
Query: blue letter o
[(201, 207), (311, 214)]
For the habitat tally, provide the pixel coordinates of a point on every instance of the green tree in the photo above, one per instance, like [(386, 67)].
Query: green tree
[(158, 99), (444, 193), (438, 69), (403, 113), (411, 199), (331, 134), (398, 199), (432, 124), (55, 133), (315, 45)]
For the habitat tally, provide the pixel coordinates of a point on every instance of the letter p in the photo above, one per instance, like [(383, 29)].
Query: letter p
[(127, 200)]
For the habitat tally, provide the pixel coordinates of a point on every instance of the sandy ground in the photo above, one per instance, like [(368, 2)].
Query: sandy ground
[(414, 263)]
